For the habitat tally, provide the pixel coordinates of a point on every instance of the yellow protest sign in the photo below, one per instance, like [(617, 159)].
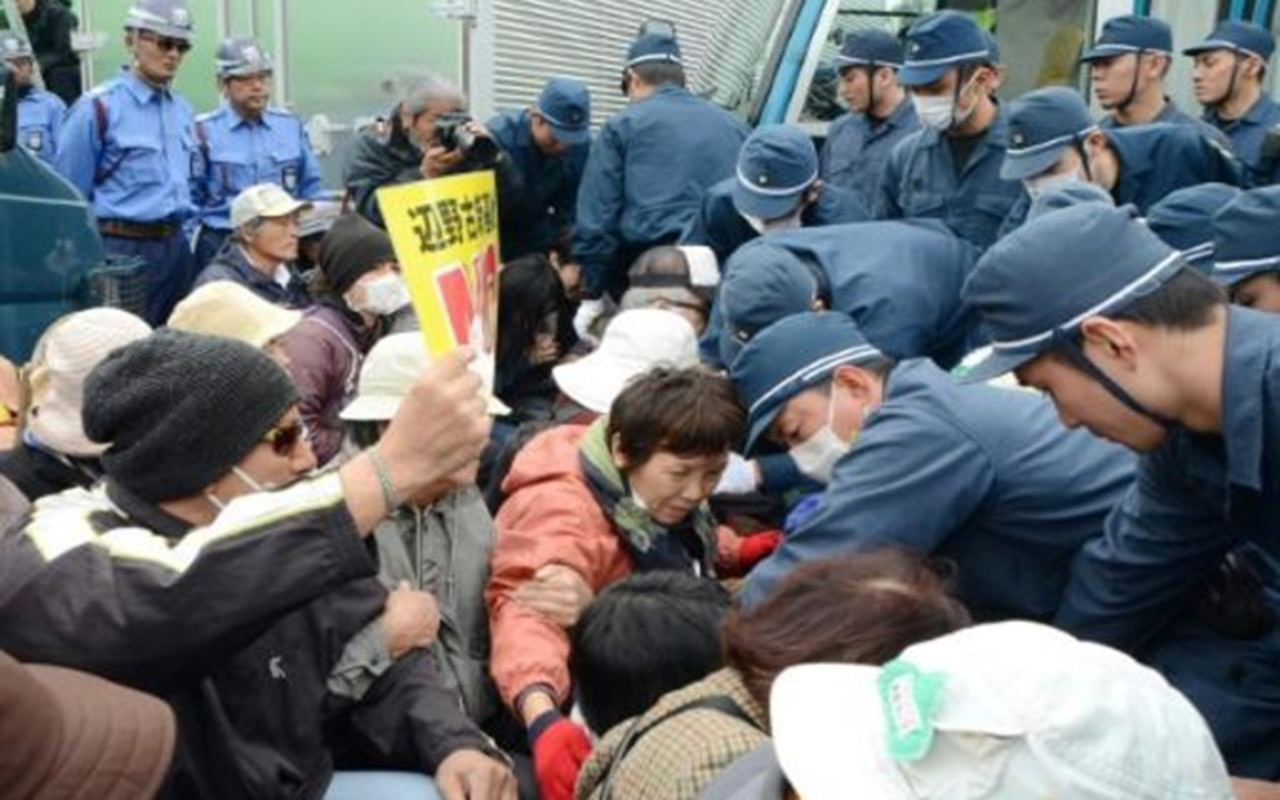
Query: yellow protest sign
[(445, 233)]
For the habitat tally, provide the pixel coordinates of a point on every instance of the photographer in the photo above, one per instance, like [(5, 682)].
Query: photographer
[(431, 135)]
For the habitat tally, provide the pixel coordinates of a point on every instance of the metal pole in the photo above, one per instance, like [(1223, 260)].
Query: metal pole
[(281, 29), (222, 18), (253, 19)]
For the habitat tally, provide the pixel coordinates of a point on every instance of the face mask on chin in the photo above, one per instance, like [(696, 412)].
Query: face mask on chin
[(791, 222), (1038, 186)]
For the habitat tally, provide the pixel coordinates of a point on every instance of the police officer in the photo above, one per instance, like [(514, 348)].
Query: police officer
[(648, 169), (776, 188), (859, 143), (548, 143), (1246, 243), (1127, 67), (245, 143), (1053, 140), (39, 112), (1089, 306), (1184, 221), (1229, 69), (128, 146), (898, 279), (950, 170), (982, 476)]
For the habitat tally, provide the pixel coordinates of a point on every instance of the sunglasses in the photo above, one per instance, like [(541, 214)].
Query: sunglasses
[(166, 43), (284, 438)]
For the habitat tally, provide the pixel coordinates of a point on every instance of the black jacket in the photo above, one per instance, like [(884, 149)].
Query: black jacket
[(236, 625), (49, 27), (37, 473), (390, 159)]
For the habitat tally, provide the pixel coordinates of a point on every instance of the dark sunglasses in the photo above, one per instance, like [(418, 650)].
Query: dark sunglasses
[(284, 439), (166, 43)]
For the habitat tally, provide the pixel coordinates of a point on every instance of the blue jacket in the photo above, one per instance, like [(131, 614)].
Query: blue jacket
[(231, 264), (236, 153), (645, 177), (855, 153), (40, 116), (1172, 115), (899, 279), (920, 180), (1246, 135), (551, 181), (139, 167), (719, 225), (985, 477)]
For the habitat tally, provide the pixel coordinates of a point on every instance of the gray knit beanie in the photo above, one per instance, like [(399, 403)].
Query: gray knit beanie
[(179, 410)]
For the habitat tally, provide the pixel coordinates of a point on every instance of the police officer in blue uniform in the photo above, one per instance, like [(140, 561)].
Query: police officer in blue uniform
[(776, 188), (898, 279), (548, 144), (1229, 69), (245, 143), (1052, 140), (1127, 67), (648, 168), (1184, 221), (982, 476), (1246, 241), (859, 143), (128, 146), (950, 170), (40, 113), (1089, 306)]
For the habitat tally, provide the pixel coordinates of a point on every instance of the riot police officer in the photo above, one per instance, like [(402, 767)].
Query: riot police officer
[(245, 143), (128, 146), (39, 112)]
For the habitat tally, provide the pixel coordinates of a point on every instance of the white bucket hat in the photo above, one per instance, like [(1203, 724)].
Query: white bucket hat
[(390, 370), (65, 355), (225, 308), (635, 342), (1005, 711)]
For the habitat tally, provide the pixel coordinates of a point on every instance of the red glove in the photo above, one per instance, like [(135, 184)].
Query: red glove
[(560, 747), (756, 548)]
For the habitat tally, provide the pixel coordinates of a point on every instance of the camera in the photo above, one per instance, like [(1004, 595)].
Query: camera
[(452, 134)]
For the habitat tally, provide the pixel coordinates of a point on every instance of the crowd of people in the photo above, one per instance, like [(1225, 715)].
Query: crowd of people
[(943, 461)]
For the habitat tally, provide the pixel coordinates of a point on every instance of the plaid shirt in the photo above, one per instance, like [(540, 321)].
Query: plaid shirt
[(678, 758)]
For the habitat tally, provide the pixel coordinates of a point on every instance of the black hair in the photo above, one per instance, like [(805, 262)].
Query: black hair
[(1186, 302), (649, 634), (529, 290), (688, 412), (660, 73)]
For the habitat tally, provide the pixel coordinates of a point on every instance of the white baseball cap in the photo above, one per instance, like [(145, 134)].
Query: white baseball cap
[(390, 370), (635, 342), (1005, 711), (264, 201)]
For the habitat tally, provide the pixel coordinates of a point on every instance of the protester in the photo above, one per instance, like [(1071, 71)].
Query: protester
[(681, 279), (1138, 347), (54, 453), (50, 25), (234, 602), (1247, 249), (361, 288), (625, 494), (67, 734), (1006, 710), (224, 308), (436, 546), (535, 331), (263, 246)]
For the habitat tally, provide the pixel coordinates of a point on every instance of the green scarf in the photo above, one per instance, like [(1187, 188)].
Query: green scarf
[(652, 546)]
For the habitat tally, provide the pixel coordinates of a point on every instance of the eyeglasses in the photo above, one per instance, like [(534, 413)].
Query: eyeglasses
[(165, 43), (284, 438)]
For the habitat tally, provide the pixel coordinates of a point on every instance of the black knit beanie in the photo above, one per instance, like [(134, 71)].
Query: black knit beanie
[(181, 409), (352, 247)]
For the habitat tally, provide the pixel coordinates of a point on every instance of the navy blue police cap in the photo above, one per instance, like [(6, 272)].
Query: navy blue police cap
[(1237, 36), (941, 42), (653, 48), (1184, 220), (776, 165), (1045, 278), (870, 47), (1042, 124), (565, 103), (790, 356), (1246, 236), (1131, 34), (763, 283)]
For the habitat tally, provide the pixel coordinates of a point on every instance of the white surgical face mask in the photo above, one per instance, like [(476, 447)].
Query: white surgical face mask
[(252, 482), (938, 112), (1038, 186), (384, 296), (791, 222), (816, 456)]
